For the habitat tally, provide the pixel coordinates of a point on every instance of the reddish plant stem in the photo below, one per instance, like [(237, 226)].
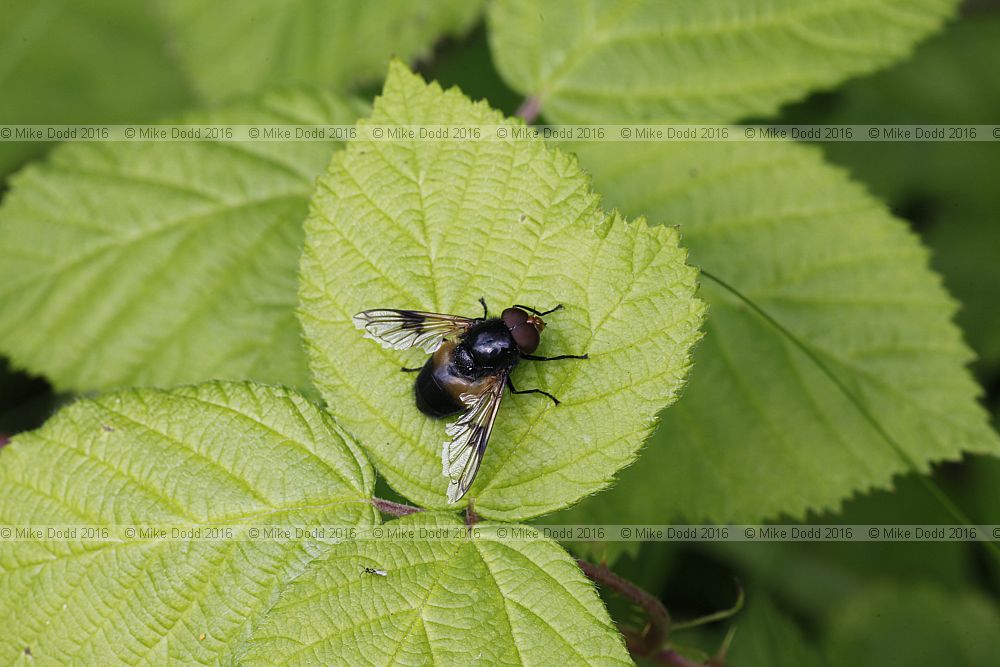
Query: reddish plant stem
[(675, 659), (394, 509), (4, 439), (471, 518), (652, 638), (529, 109)]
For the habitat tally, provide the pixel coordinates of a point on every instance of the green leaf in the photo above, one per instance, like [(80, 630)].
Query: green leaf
[(163, 263), (948, 81), (760, 430), (983, 480), (434, 226), (917, 626), (695, 61), (965, 243), (945, 186), (441, 601), (237, 48), (980, 488), (767, 636), (81, 62), (214, 455), (814, 577)]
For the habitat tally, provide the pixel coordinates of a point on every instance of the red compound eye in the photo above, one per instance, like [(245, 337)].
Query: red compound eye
[(523, 328)]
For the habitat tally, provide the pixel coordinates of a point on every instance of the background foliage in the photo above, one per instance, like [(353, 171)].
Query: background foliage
[(126, 265)]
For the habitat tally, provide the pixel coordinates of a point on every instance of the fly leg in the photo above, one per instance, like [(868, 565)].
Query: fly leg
[(535, 312), (510, 385), (410, 370), (531, 357)]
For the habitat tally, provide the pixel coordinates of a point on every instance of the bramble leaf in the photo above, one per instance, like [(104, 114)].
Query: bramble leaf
[(761, 431), (219, 455), (815, 577), (767, 636), (947, 184), (922, 626), (163, 263), (82, 62), (593, 62), (441, 601), (231, 49), (434, 225)]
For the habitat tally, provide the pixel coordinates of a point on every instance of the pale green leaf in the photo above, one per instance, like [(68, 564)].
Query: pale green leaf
[(916, 626), (436, 225), (217, 454), (238, 48), (102, 61), (597, 61), (760, 430), (163, 263), (443, 602)]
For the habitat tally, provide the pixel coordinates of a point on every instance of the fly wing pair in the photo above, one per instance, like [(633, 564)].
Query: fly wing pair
[(403, 329)]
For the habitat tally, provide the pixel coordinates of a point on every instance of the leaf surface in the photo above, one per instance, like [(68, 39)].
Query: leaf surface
[(593, 62), (922, 626), (760, 430), (238, 48), (221, 455), (433, 226), (945, 187), (163, 263), (442, 602), (82, 62), (767, 636)]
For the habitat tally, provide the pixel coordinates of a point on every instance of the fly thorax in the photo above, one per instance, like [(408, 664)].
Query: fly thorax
[(463, 360), (493, 348)]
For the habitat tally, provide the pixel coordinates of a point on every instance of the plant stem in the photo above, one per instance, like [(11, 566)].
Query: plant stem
[(4, 439), (656, 632), (716, 616), (395, 509), (674, 659), (471, 518), (529, 109)]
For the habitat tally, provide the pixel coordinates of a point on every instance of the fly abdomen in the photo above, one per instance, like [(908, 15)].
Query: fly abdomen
[(441, 383), (433, 399)]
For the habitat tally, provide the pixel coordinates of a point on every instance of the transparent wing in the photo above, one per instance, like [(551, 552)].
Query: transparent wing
[(462, 454), (402, 329)]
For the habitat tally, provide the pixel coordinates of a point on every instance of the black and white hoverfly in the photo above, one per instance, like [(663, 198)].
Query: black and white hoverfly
[(469, 368)]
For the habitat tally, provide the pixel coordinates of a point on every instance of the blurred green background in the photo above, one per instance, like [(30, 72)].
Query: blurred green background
[(843, 604)]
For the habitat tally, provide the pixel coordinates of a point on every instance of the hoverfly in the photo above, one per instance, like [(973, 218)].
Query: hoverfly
[(468, 370)]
